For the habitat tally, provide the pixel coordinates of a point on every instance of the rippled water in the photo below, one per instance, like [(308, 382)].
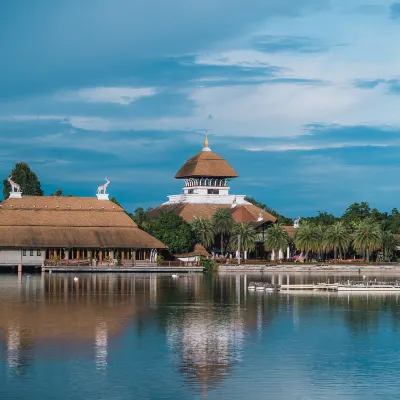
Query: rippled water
[(153, 337)]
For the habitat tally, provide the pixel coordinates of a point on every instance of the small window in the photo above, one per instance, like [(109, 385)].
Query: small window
[(24, 252), (39, 253), (213, 191), (31, 252), (190, 191)]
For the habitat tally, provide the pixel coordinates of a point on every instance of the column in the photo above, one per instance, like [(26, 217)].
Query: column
[(280, 256), (273, 255), (122, 254), (66, 254), (78, 253), (100, 255), (288, 252)]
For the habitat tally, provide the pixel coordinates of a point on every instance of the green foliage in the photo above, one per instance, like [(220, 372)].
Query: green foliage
[(356, 212), (323, 218), (222, 222), (247, 234), (308, 237), (276, 238), (337, 237), (26, 178), (172, 230), (203, 231), (367, 237), (141, 217), (389, 245), (209, 266)]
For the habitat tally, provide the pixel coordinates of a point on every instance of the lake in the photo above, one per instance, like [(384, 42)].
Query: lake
[(137, 336)]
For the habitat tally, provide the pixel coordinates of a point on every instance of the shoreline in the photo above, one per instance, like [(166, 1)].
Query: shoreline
[(310, 268)]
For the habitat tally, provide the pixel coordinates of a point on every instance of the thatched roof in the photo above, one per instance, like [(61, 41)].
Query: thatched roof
[(199, 250), (206, 164), (290, 230), (38, 221), (188, 211)]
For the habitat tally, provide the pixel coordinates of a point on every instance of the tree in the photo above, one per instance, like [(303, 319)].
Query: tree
[(141, 217), (322, 218), (367, 237), (172, 230), (357, 212), (26, 178), (307, 237), (248, 236), (115, 201), (222, 223), (337, 237), (389, 245), (203, 231), (276, 238)]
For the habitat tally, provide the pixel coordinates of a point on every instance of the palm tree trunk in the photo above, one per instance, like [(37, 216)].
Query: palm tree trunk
[(335, 254), (222, 244), (367, 255)]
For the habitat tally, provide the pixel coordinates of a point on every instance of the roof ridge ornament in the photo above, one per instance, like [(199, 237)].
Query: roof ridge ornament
[(102, 191), (16, 191), (206, 146)]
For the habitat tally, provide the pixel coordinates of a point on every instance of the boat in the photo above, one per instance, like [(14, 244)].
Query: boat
[(368, 286), (269, 287)]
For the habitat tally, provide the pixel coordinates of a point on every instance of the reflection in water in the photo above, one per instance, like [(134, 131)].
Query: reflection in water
[(101, 344), (13, 346), (215, 331)]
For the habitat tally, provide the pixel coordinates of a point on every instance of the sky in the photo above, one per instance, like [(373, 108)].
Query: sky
[(302, 97)]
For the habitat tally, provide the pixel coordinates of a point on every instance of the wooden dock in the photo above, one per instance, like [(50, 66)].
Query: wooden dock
[(320, 286)]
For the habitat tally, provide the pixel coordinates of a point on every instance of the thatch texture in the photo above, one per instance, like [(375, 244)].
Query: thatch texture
[(198, 251), (69, 222), (290, 230), (188, 211), (206, 164)]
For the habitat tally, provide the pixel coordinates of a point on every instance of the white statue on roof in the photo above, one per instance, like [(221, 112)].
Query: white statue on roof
[(260, 217), (103, 188), (15, 187), (296, 223)]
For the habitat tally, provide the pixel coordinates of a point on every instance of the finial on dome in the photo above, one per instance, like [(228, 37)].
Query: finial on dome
[(206, 148)]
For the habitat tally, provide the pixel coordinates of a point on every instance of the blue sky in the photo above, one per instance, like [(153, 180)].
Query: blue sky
[(302, 97)]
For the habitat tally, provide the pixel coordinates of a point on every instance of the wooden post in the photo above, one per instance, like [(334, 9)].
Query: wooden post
[(122, 254), (134, 257), (55, 253), (144, 254), (101, 255), (77, 254)]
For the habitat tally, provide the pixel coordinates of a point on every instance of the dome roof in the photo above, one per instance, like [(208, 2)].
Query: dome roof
[(206, 164)]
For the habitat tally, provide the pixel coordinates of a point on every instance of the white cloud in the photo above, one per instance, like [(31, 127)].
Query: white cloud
[(294, 147), (116, 95)]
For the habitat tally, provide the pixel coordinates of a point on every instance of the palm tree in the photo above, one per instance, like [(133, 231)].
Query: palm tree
[(203, 230), (247, 234), (337, 237), (367, 237), (276, 238), (307, 237), (222, 223), (389, 245)]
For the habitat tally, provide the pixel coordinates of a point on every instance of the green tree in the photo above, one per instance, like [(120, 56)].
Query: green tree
[(26, 178), (307, 237), (223, 224), (276, 238), (203, 230), (322, 218), (141, 217), (247, 234), (389, 245), (337, 237), (172, 230), (356, 212), (367, 237)]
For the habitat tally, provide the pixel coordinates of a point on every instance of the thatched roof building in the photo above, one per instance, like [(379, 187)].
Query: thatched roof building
[(84, 222)]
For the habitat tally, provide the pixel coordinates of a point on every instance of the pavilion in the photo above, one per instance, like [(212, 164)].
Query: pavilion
[(47, 230), (206, 178)]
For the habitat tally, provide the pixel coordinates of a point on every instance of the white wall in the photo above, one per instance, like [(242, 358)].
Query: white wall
[(15, 257)]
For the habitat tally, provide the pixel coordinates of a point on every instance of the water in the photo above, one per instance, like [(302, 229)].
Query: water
[(153, 337)]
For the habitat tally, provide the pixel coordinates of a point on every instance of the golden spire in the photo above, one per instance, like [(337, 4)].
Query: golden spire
[(206, 148), (206, 141)]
